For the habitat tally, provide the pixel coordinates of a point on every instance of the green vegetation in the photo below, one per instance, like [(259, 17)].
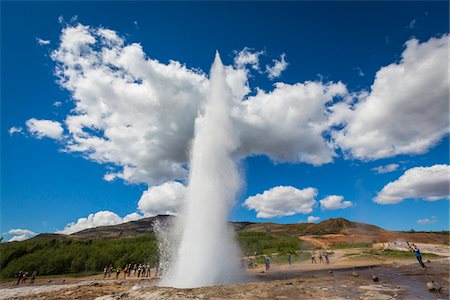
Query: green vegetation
[(266, 243), (351, 245), (445, 232), (65, 255), (405, 254), (388, 254)]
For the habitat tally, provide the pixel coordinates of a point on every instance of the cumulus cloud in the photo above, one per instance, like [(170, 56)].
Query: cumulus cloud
[(427, 183), (138, 114), (427, 221), (288, 123), (247, 56), (282, 201), (45, 128), (42, 42), (385, 169), (406, 111), (101, 218), (312, 219), (20, 235), (164, 199), (278, 66), (15, 130), (334, 202)]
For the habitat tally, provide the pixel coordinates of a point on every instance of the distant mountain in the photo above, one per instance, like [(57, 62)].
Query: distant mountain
[(338, 230), (145, 227)]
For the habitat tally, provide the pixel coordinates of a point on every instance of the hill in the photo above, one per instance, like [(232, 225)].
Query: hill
[(91, 249), (337, 230)]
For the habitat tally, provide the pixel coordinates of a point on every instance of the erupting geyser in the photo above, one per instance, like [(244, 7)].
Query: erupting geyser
[(207, 253)]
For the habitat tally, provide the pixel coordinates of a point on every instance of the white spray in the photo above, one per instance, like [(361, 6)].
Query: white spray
[(207, 253)]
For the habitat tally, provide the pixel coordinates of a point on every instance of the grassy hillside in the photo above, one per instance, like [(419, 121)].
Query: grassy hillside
[(64, 255), (134, 242), (56, 254)]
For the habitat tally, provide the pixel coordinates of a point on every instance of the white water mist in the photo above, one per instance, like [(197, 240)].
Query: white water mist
[(207, 252)]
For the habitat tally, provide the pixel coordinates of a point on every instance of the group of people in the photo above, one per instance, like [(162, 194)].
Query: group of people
[(135, 271), (22, 276), (322, 255)]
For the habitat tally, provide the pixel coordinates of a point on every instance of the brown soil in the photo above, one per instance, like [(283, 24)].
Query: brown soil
[(397, 280)]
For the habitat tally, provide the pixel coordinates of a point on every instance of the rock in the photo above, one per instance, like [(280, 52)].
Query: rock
[(374, 278), (432, 285), (355, 274)]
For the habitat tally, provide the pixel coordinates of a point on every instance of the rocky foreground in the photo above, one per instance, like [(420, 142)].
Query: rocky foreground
[(396, 281)]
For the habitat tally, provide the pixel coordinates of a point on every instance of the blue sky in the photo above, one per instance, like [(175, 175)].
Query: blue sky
[(45, 186)]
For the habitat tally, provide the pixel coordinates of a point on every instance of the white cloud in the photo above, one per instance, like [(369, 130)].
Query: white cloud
[(312, 219), (42, 42), (278, 67), (13, 130), (427, 183), (109, 37), (101, 218), (164, 199), (20, 235), (406, 111), (334, 202), (60, 19), (45, 128), (385, 169), (132, 217), (426, 221), (138, 114), (288, 124), (109, 176), (247, 56), (282, 201), (57, 104)]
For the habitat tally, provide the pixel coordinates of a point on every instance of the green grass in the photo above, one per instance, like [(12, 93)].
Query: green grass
[(388, 254), (405, 254), (351, 245), (266, 243)]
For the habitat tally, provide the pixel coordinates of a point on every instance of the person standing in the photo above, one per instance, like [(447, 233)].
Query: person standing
[(33, 276), (118, 269), (266, 262), (19, 277), (139, 270), (325, 254), (289, 259), (125, 272), (313, 258)]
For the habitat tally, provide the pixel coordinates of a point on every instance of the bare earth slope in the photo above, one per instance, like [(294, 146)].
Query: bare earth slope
[(337, 230)]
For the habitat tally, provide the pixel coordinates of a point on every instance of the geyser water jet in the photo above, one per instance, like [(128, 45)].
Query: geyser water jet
[(207, 253)]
